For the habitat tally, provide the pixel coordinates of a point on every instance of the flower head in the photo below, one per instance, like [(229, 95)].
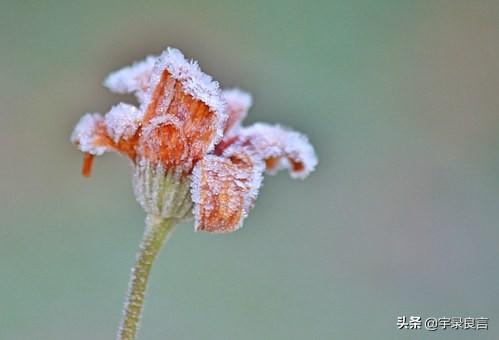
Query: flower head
[(188, 148)]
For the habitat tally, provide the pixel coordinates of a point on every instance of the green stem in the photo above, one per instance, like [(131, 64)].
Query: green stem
[(155, 235)]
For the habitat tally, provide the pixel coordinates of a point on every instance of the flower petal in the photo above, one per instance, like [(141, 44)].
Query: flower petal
[(279, 147), (90, 134), (223, 191), (117, 131), (123, 121), (184, 115), (132, 79), (238, 104)]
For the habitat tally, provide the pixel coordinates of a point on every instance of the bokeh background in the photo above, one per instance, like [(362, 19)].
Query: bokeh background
[(401, 217)]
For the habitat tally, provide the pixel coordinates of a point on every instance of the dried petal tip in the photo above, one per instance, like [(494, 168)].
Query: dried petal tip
[(238, 104), (279, 147), (86, 133), (122, 121), (132, 79), (88, 160), (223, 191)]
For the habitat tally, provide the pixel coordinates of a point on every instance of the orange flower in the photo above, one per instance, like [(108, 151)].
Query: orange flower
[(187, 133)]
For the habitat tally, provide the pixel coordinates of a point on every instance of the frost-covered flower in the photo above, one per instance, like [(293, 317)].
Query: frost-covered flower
[(190, 154), (188, 148)]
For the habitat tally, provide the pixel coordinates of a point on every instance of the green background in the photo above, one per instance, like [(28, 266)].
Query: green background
[(400, 99)]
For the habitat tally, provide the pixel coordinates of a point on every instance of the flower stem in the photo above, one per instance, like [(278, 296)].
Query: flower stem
[(155, 235)]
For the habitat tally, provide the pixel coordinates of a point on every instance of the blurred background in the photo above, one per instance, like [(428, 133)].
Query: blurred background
[(400, 99)]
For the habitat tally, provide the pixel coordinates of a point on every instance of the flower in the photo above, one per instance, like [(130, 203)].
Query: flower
[(189, 151), (190, 155)]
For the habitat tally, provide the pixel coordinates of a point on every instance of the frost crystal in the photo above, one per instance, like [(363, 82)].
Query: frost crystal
[(84, 134), (280, 147), (223, 190), (186, 143), (122, 121), (132, 79), (238, 104), (161, 193), (194, 82)]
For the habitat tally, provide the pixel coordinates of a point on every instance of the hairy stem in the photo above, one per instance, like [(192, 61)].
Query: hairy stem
[(155, 235)]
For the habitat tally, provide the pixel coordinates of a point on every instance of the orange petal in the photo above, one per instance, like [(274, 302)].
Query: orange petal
[(122, 124), (92, 136), (132, 79), (238, 105), (185, 113), (279, 147), (88, 160), (223, 191)]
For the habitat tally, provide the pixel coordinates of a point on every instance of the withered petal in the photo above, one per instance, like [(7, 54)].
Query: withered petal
[(95, 134), (90, 134), (184, 115), (279, 147), (223, 191), (132, 79), (238, 104)]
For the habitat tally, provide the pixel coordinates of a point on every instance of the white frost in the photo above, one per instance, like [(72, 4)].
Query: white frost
[(196, 179), (275, 141), (194, 82), (215, 176), (122, 121), (132, 79), (84, 134), (238, 104)]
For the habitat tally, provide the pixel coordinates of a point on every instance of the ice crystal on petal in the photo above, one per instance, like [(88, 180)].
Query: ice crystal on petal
[(184, 113), (132, 79), (194, 82), (122, 121), (85, 134), (171, 142), (223, 191), (280, 148), (163, 139), (238, 104)]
